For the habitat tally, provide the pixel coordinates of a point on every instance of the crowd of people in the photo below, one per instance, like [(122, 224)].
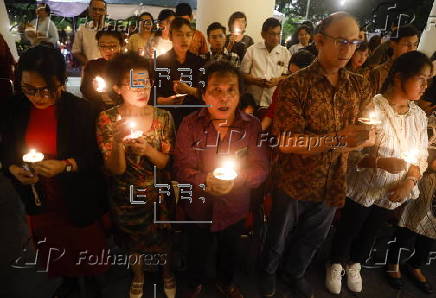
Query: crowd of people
[(180, 130)]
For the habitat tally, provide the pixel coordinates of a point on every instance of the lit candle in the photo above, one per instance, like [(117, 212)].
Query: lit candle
[(227, 172), (100, 84), (411, 156), (372, 119), (134, 134), (237, 31), (32, 157)]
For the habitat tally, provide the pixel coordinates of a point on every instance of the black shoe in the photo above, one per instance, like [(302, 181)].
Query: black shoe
[(268, 285), (394, 282), (423, 286), (303, 287)]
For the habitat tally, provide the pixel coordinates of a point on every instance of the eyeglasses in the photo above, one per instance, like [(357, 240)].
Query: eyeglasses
[(32, 91), (341, 42)]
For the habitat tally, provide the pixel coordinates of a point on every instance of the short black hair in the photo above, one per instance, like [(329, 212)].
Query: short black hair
[(221, 67), (46, 7), (305, 28), (165, 14), (178, 23), (233, 17), (49, 63), (117, 35), (404, 31), (407, 65), (270, 23), (374, 42), (325, 23), (105, 4), (215, 26), (122, 64), (302, 58), (146, 13), (247, 100), (183, 9)]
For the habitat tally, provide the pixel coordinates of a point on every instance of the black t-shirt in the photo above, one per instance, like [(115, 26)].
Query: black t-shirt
[(167, 70)]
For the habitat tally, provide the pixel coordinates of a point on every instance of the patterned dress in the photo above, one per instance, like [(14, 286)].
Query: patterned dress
[(135, 222)]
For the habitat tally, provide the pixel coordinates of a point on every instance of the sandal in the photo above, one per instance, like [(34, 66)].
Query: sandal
[(170, 286), (136, 286)]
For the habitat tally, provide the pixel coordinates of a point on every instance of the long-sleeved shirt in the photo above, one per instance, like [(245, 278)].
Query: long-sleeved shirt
[(45, 28), (395, 137), (85, 42), (198, 152)]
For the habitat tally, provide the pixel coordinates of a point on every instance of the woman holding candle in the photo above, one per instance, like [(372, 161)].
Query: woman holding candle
[(142, 42), (387, 176), (135, 138), (69, 185), (304, 37), (417, 226), (217, 153), (110, 44)]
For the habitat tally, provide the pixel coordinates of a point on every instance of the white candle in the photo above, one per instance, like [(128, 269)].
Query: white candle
[(411, 156), (134, 134), (372, 119), (100, 84), (33, 156), (227, 172)]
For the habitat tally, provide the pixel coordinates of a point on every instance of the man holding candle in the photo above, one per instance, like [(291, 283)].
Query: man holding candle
[(321, 102), (178, 72), (216, 35), (220, 136), (237, 41), (198, 45)]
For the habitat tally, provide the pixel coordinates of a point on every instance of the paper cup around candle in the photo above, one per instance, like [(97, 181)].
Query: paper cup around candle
[(226, 174), (369, 121), (33, 156)]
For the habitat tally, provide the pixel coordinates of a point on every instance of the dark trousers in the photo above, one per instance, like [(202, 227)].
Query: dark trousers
[(307, 223), (405, 238), (356, 232), (201, 241)]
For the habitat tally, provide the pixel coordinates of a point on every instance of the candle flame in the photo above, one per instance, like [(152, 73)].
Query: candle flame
[(411, 156), (33, 156), (101, 84)]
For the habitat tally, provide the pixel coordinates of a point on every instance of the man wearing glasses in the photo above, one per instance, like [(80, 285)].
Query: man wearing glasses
[(85, 45), (318, 107), (403, 40)]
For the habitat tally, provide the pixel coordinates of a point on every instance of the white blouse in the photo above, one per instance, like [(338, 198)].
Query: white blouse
[(396, 136)]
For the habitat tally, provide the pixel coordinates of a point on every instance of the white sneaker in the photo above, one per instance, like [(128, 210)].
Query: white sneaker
[(354, 279), (333, 278)]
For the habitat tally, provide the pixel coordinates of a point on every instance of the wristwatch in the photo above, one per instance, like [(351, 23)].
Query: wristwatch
[(69, 166)]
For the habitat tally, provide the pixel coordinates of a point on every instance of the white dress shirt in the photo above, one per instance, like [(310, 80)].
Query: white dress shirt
[(261, 64), (46, 28), (395, 136), (85, 42)]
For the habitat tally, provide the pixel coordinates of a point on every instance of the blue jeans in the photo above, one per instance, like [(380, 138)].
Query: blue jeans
[(306, 223)]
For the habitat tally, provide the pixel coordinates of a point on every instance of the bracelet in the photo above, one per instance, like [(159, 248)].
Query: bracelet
[(413, 179)]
